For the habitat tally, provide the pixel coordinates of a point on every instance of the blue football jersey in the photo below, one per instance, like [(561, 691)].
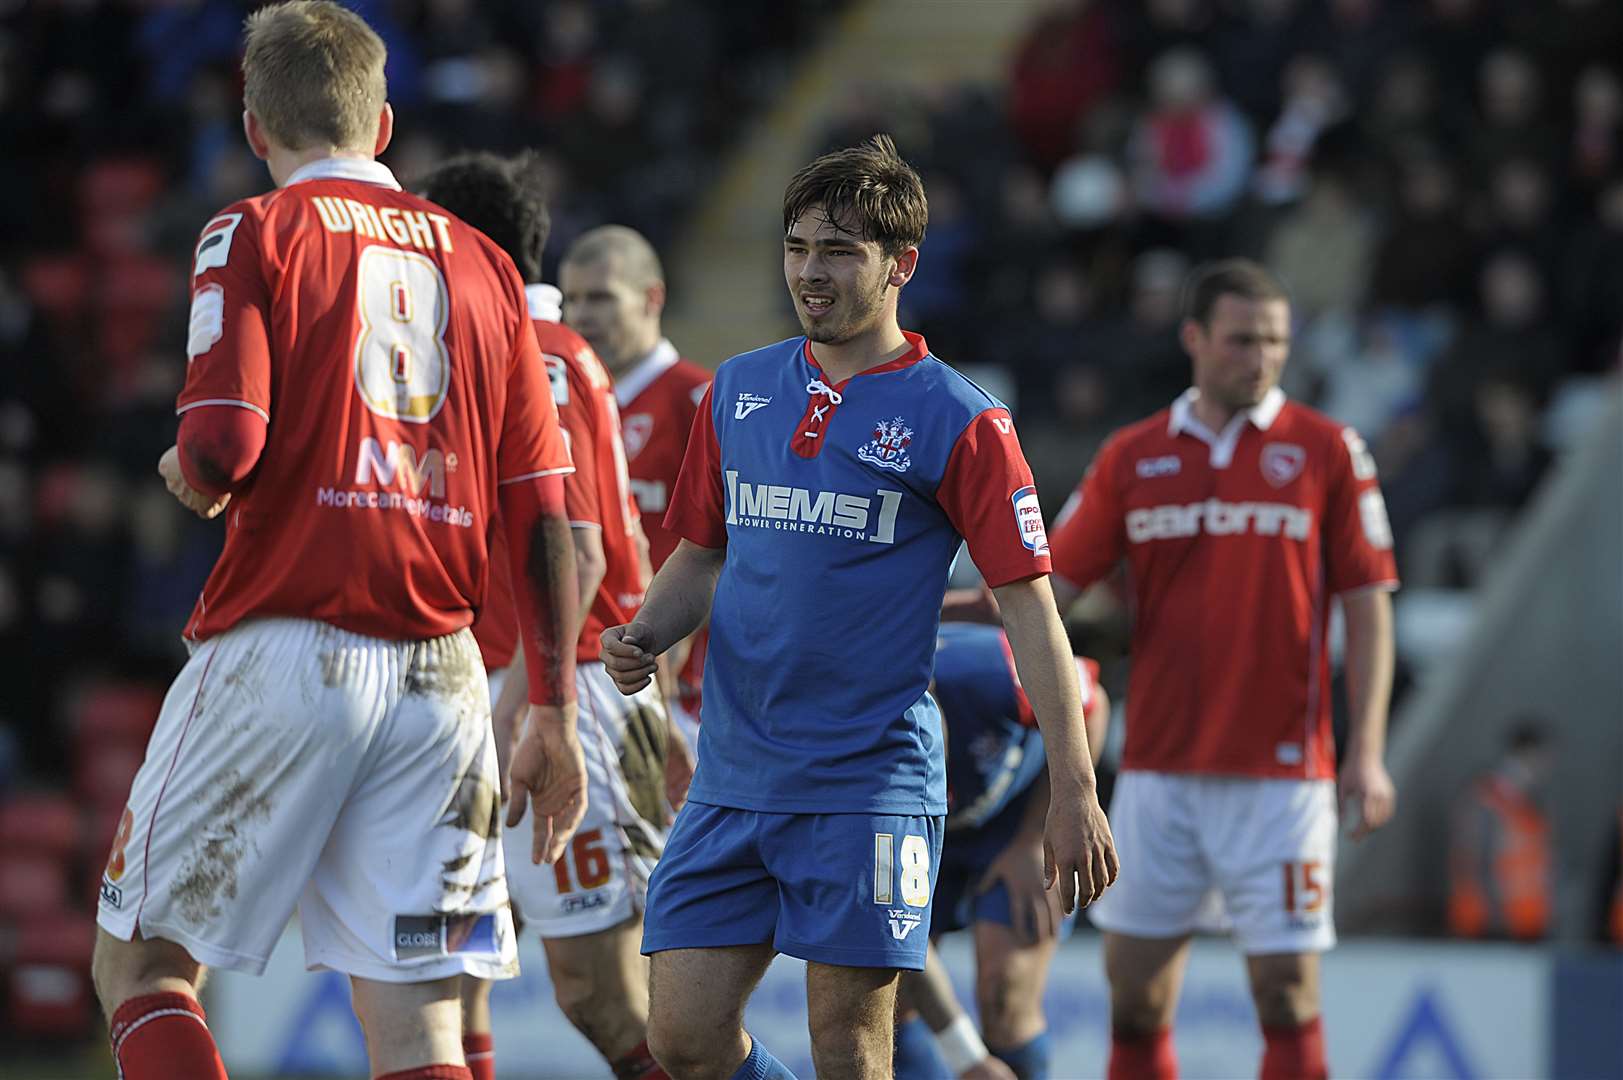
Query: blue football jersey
[(841, 508), (994, 750)]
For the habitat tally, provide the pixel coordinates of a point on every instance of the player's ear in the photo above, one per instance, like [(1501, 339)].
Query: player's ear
[(906, 263), (654, 298), (254, 131), (1192, 335), (385, 128)]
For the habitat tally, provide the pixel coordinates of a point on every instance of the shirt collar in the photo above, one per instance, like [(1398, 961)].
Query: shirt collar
[(916, 350), (345, 168), (1262, 415), (628, 386), (546, 302)]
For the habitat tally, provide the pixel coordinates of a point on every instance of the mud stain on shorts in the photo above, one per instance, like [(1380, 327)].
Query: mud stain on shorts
[(476, 806), (209, 874), (642, 760), (245, 678), (448, 668)]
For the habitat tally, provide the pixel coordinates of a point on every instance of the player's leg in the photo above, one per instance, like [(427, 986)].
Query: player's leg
[(244, 775), (696, 1011), (587, 907), (410, 891), (1276, 863), (1285, 987), (409, 1025), (1148, 915), (600, 981), (851, 1012), (1010, 978), (1145, 976), (478, 1042)]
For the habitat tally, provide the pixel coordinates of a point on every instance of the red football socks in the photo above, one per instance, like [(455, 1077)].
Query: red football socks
[(480, 1052), (638, 1064), (431, 1072), (1295, 1053), (1142, 1057), (160, 1036)]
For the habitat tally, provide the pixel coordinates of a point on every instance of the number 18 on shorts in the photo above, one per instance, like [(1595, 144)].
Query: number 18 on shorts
[(849, 889)]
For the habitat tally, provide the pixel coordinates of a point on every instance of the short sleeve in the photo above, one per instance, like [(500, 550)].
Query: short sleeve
[(1357, 534), (572, 394), (228, 357), (532, 439), (988, 495), (1089, 531), (696, 512)]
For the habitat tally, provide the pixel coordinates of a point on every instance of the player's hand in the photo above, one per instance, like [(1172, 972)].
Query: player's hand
[(679, 759), (1078, 850), (1034, 907), (1368, 797), (988, 1068), (549, 778), (204, 506), (629, 663)]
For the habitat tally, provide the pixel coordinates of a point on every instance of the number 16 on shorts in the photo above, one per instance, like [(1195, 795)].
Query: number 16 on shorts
[(906, 865)]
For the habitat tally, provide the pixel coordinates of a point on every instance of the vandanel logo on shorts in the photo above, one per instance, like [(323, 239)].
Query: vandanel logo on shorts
[(902, 922)]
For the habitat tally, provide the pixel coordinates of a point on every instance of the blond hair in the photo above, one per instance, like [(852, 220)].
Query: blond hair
[(313, 75)]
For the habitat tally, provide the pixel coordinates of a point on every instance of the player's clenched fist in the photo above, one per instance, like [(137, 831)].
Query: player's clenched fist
[(626, 656), (204, 506), (549, 777), (1078, 850)]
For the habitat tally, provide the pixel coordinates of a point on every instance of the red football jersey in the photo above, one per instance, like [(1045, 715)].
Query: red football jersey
[(658, 399), (1235, 542), (388, 348), (597, 496)]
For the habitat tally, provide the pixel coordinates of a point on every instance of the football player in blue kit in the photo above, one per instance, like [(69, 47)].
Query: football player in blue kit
[(991, 878), (828, 483)]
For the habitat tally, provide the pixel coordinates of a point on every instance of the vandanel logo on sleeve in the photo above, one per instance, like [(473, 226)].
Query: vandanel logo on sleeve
[(825, 513)]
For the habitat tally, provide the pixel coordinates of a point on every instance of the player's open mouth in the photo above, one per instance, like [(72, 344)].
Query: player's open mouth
[(816, 304)]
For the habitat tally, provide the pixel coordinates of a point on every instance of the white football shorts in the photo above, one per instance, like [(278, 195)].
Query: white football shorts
[(1255, 857), (298, 765), (602, 878)]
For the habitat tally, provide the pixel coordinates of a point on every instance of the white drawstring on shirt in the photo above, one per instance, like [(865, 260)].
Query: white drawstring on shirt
[(815, 387)]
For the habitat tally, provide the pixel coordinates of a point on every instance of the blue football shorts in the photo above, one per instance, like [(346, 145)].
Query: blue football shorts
[(847, 889), (965, 858)]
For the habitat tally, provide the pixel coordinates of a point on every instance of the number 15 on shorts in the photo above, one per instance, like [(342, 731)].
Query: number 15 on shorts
[(911, 865)]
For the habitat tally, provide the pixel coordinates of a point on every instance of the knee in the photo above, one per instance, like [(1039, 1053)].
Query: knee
[(681, 1050), (583, 997), (1004, 1012), (1140, 1010), (1285, 1000)]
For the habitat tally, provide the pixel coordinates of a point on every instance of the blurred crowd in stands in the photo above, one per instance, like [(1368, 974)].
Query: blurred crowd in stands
[(122, 135), (1439, 183)]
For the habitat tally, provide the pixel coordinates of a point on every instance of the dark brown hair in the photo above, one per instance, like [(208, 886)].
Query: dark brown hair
[(1228, 277), (867, 189), (502, 198)]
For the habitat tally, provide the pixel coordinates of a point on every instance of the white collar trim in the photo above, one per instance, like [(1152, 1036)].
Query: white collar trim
[(1261, 415), (546, 302), (345, 168), (642, 376)]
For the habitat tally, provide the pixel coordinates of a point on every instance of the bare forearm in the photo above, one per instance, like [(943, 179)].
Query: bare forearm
[(1042, 656), (680, 595), (1369, 671), (1031, 822), (590, 567)]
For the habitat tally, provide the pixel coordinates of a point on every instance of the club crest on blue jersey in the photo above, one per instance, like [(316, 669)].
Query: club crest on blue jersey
[(888, 447)]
